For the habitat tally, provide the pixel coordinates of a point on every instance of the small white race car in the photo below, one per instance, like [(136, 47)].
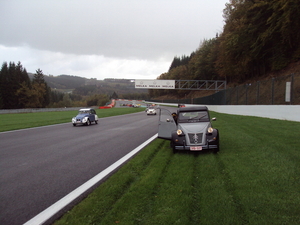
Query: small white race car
[(151, 111)]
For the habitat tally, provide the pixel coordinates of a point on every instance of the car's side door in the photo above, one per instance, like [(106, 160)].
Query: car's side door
[(166, 124), (92, 115)]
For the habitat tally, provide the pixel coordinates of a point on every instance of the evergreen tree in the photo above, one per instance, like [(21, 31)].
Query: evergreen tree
[(3, 85), (114, 96), (12, 78), (177, 61), (22, 75), (25, 96), (41, 89)]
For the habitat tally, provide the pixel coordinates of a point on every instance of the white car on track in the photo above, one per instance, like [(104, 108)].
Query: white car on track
[(151, 111)]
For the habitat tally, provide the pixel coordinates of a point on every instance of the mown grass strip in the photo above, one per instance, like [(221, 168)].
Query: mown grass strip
[(212, 201), (133, 205), (254, 179), (260, 166), (17, 121), (100, 206), (173, 195)]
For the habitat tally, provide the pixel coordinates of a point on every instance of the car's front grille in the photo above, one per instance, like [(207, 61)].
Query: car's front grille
[(195, 138)]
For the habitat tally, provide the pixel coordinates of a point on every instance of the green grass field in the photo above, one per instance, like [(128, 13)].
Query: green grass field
[(26, 120), (254, 179)]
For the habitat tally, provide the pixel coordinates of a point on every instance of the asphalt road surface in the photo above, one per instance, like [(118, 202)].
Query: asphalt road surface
[(41, 165)]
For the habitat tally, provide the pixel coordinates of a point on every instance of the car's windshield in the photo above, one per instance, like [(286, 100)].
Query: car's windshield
[(192, 117), (84, 112)]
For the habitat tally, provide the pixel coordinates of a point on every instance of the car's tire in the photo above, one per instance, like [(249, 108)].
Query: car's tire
[(216, 150), (174, 150), (88, 122), (172, 145), (74, 124), (96, 121)]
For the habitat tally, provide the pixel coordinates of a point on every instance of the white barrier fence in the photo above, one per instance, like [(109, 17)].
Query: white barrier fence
[(281, 112)]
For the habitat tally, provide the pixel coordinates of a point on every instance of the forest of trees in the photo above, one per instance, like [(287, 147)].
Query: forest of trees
[(258, 37), (19, 90)]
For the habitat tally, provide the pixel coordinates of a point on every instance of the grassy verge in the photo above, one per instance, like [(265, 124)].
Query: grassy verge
[(254, 179), (26, 120)]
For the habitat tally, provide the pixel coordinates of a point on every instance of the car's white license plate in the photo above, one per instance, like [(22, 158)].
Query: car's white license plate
[(196, 148)]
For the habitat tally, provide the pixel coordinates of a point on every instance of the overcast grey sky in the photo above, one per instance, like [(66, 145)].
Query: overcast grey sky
[(134, 39)]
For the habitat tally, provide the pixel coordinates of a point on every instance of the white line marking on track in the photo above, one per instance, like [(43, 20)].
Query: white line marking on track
[(32, 128), (45, 215)]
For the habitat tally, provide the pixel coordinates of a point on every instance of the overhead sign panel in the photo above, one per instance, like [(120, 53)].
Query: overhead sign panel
[(155, 84)]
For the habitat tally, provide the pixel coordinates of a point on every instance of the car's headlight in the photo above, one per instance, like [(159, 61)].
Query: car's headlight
[(179, 132), (210, 130)]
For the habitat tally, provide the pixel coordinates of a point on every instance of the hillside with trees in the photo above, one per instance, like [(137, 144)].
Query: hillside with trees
[(19, 89), (259, 37)]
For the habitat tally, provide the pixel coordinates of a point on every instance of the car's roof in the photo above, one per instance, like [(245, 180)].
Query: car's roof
[(192, 108), (85, 109)]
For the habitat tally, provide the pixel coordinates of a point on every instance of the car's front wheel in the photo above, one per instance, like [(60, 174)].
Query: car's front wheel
[(172, 145), (74, 124), (88, 122), (216, 150), (96, 121)]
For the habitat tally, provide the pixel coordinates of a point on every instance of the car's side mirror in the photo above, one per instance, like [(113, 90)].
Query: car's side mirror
[(214, 119)]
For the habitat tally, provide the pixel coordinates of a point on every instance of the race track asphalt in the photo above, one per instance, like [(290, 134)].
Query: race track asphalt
[(41, 165)]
